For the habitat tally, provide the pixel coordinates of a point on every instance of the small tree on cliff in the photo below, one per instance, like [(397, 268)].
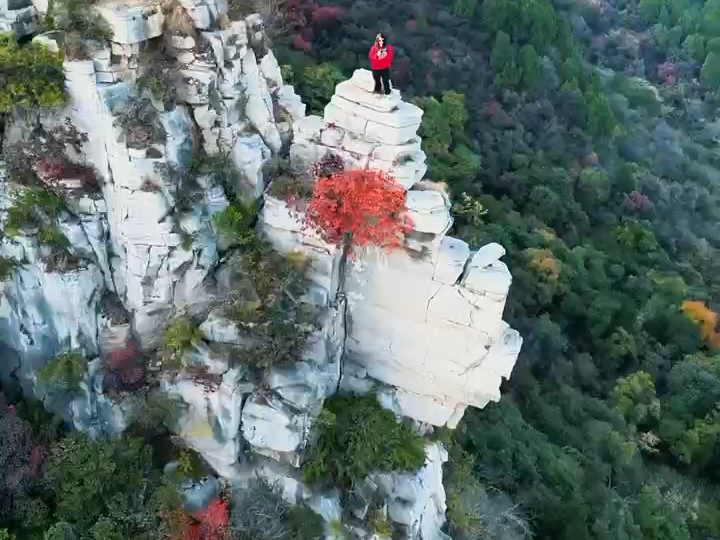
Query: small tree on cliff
[(357, 208)]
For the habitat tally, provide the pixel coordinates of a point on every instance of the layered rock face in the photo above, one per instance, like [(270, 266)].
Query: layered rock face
[(161, 262), (422, 326), (426, 327), (18, 16)]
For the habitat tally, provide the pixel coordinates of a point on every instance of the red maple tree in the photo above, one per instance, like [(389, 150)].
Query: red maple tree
[(357, 208), (123, 368), (210, 523)]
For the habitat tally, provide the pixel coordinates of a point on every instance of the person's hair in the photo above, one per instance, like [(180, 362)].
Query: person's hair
[(380, 34)]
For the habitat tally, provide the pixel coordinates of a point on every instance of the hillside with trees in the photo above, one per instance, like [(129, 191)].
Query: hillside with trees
[(583, 136)]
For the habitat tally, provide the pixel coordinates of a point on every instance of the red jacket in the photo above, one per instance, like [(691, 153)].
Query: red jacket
[(377, 62)]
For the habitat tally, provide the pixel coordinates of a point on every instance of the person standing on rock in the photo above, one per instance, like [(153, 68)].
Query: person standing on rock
[(381, 55)]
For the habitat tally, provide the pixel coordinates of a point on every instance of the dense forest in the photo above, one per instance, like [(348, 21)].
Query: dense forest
[(580, 135), (583, 137)]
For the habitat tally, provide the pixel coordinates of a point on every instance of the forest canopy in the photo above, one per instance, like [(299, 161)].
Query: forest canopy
[(583, 136)]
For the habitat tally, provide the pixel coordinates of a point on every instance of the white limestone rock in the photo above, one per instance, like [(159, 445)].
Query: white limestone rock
[(250, 154), (270, 69), (259, 106), (350, 92), (132, 21), (19, 17), (309, 128), (219, 329), (273, 429), (428, 211), (418, 500), (210, 422), (277, 421), (290, 102), (401, 115)]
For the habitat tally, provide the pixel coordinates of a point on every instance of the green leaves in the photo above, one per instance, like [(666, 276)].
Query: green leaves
[(32, 75), (235, 222), (356, 437), (180, 336), (67, 370)]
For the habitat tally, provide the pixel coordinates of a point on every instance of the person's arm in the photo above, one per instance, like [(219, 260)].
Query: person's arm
[(390, 53), (371, 53)]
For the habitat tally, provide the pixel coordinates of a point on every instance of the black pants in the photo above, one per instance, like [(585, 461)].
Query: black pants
[(384, 76)]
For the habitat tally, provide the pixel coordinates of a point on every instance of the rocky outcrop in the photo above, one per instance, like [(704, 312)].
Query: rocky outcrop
[(365, 130), (422, 326), (426, 328), (18, 16)]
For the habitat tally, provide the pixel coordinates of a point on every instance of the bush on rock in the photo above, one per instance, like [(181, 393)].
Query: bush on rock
[(180, 336), (32, 75), (234, 223), (7, 268), (67, 370), (267, 305), (356, 437), (358, 207), (79, 23)]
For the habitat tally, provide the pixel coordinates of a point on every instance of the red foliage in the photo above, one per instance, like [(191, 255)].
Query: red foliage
[(357, 208), (637, 202), (52, 171), (208, 524), (122, 369), (305, 17), (36, 457), (668, 72), (325, 15), (298, 42)]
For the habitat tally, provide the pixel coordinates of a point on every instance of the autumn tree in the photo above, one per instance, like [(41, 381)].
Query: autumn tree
[(210, 523), (704, 318), (358, 208)]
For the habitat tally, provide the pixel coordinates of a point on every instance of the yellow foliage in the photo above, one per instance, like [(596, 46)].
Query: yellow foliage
[(545, 262), (705, 318), (297, 259), (198, 428)]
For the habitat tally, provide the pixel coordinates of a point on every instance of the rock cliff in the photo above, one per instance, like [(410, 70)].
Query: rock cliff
[(426, 328), (421, 326)]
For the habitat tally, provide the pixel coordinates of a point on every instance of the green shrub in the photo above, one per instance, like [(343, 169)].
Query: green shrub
[(317, 85), (156, 412), (288, 184), (473, 512), (190, 465), (7, 268), (268, 307), (356, 437), (379, 525), (159, 79), (67, 369), (60, 531), (79, 22), (220, 169), (53, 237), (180, 336), (235, 223), (32, 75), (103, 479), (32, 208), (277, 342)]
